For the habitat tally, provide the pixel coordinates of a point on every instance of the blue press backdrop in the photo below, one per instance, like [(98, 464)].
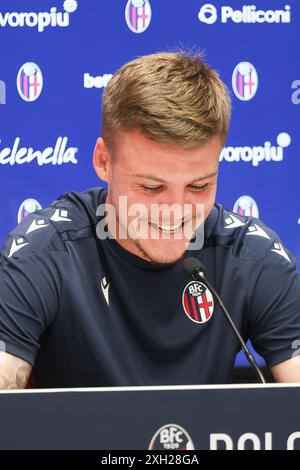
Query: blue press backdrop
[(76, 46)]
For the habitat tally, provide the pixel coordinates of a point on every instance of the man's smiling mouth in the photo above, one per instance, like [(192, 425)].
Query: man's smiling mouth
[(168, 228)]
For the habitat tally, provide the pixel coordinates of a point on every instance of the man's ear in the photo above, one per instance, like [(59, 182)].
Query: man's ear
[(102, 160)]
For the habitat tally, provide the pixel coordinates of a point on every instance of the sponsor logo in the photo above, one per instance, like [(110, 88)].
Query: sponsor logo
[(99, 81), (171, 437), (246, 206), (29, 206), (249, 14), (244, 81), (208, 14), (70, 6), (29, 81), (57, 155), (138, 15), (197, 302), (257, 154), (39, 20), (296, 94), (2, 92)]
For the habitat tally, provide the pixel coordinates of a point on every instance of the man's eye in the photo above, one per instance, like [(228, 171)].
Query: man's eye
[(195, 187), (152, 189)]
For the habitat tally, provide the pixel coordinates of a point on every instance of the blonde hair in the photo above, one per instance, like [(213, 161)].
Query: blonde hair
[(171, 97)]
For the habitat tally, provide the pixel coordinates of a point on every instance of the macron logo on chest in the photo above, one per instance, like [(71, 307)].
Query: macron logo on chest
[(105, 289)]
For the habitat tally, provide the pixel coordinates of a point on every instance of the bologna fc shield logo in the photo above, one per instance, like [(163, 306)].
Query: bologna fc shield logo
[(246, 206), (29, 81), (244, 81), (171, 437), (29, 206), (198, 302), (138, 15)]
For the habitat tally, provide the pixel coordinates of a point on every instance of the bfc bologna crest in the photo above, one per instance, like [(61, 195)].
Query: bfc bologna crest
[(138, 15), (198, 302), (246, 206), (29, 206), (29, 81), (244, 81), (171, 437)]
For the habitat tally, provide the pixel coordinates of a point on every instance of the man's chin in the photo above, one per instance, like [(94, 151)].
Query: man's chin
[(161, 256)]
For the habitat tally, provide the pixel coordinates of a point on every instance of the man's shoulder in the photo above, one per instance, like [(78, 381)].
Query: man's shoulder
[(76, 210), (68, 218), (247, 237)]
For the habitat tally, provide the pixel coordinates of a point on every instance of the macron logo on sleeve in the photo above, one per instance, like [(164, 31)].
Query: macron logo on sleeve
[(258, 231), (36, 225), (233, 222), (60, 215), (277, 248), (16, 245)]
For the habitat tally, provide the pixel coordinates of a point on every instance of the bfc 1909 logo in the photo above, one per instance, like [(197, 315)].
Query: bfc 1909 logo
[(246, 206), (171, 437), (138, 15), (29, 81), (244, 81), (197, 302), (29, 206)]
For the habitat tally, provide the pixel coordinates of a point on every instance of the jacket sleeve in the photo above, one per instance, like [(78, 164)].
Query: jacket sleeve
[(30, 286)]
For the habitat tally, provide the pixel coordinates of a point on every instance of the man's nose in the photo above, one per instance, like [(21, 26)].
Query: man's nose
[(174, 197), (174, 205)]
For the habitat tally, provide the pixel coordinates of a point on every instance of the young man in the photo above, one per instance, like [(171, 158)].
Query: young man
[(92, 289)]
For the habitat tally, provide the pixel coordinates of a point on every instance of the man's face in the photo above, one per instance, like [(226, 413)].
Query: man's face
[(166, 193)]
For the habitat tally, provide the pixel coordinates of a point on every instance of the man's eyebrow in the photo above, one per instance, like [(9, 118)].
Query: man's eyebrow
[(159, 180)]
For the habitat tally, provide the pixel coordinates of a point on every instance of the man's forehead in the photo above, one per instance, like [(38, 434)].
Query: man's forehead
[(136, 139)]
